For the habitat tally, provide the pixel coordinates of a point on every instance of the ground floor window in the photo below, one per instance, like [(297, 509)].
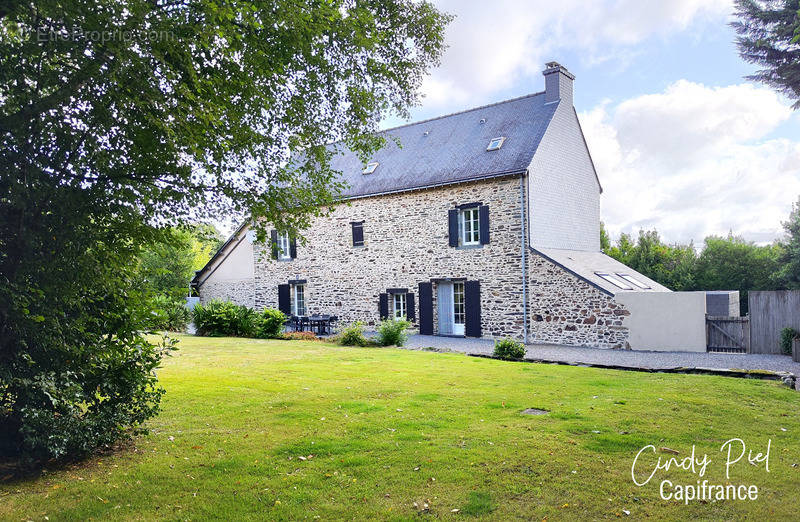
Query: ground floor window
[(399, 306), (298, 297), (459, 316)]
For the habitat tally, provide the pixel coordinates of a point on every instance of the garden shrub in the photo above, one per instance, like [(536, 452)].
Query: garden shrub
[(169, 313), (787, 336), (223, 318), (353, 335), (269, 324), (509, 350), (300, 336), (392, 332)]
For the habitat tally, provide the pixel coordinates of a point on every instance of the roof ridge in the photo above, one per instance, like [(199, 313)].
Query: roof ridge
[(531, 95)]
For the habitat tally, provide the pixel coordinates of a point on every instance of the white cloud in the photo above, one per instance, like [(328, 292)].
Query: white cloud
[(493, 44), (695, 160)]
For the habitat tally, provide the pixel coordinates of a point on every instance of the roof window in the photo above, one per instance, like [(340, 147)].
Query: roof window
[(370, 168), (614, 280), (496, 143), (634, 281)]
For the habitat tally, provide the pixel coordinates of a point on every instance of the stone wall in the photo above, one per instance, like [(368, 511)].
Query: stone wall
[(405, 243), (240, 291), (565, 309)]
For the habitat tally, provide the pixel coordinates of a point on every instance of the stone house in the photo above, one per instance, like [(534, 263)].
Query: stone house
[(484, 223)]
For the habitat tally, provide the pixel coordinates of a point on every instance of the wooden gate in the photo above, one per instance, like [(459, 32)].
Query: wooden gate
[(728, 334)]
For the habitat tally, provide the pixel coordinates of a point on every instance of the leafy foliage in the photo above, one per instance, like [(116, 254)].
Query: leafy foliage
[(117, 117), (352, 335), (224, 318), (167, 265), (169, 313), (725, 263), (269, 324), (768, 37), (509, 350), (392, 332), (789, 258), (76, 372), (300, 336), (788, 335), (731, 263)]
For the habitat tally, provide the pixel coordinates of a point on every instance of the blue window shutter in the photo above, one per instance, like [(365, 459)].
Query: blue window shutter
[(472, 308), (484, 220), (410, 308), (293, 247), (383, 306), (284, 304), (452, 227), (426, 308), (358, 233)]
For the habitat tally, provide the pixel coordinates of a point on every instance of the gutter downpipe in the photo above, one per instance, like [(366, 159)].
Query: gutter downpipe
[(524, 218)]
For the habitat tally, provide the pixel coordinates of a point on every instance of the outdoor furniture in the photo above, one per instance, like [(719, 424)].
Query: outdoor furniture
[(322, 323)]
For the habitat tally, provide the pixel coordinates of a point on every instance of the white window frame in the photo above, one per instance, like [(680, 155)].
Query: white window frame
[(370, 167), (629, 278), (284, 246), (614, 280), (399, 305), (459, 306), (296, 309), (496, 143), (469, 235)]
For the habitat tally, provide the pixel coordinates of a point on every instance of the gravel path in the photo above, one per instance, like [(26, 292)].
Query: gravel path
[(628, 358)]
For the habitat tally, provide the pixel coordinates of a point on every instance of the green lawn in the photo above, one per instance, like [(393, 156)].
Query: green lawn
[(301, 430)]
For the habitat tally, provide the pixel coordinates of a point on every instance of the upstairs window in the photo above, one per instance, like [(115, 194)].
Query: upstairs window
[(496, 143), (469, 231), (614, 280), (370, 168), (634, 281), (284, 246), (358, 233), (400, 308)]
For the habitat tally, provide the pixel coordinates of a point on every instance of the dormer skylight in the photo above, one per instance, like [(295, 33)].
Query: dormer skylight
[(634, 281), (496, 143), (370, 168), (614, 280)]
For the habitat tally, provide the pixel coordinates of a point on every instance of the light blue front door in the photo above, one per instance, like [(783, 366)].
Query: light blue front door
[(444, 297)]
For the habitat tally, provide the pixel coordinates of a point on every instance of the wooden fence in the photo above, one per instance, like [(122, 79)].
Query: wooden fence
[(770, 312), (728, 334)]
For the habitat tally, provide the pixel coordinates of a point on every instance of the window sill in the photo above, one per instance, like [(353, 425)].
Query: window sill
[(469, 247)]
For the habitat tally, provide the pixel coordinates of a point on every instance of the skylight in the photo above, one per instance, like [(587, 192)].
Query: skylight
[(614, 280), (496, 143), (370, 168), (634, 281)]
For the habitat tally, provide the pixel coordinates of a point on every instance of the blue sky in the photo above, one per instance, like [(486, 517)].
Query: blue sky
[(682, 142)]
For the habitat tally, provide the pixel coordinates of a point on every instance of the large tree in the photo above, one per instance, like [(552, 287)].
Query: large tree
[(116, 116), (769, 36)]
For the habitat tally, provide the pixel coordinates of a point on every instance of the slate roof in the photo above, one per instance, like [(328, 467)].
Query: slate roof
[(454, 148), (585, 264)]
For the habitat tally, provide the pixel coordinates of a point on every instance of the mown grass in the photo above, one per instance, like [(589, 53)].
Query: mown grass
[(394, 434)]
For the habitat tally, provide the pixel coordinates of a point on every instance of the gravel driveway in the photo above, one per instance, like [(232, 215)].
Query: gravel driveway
[(624, 358)]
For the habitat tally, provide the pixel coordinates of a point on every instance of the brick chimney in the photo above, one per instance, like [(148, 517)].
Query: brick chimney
[(557, 83)]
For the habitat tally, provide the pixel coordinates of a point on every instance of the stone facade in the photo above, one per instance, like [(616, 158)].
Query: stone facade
[(405, 243), (240, 291), (564, 309)]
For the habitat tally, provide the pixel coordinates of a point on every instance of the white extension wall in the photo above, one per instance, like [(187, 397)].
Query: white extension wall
[(665, 321), (564, 194)]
